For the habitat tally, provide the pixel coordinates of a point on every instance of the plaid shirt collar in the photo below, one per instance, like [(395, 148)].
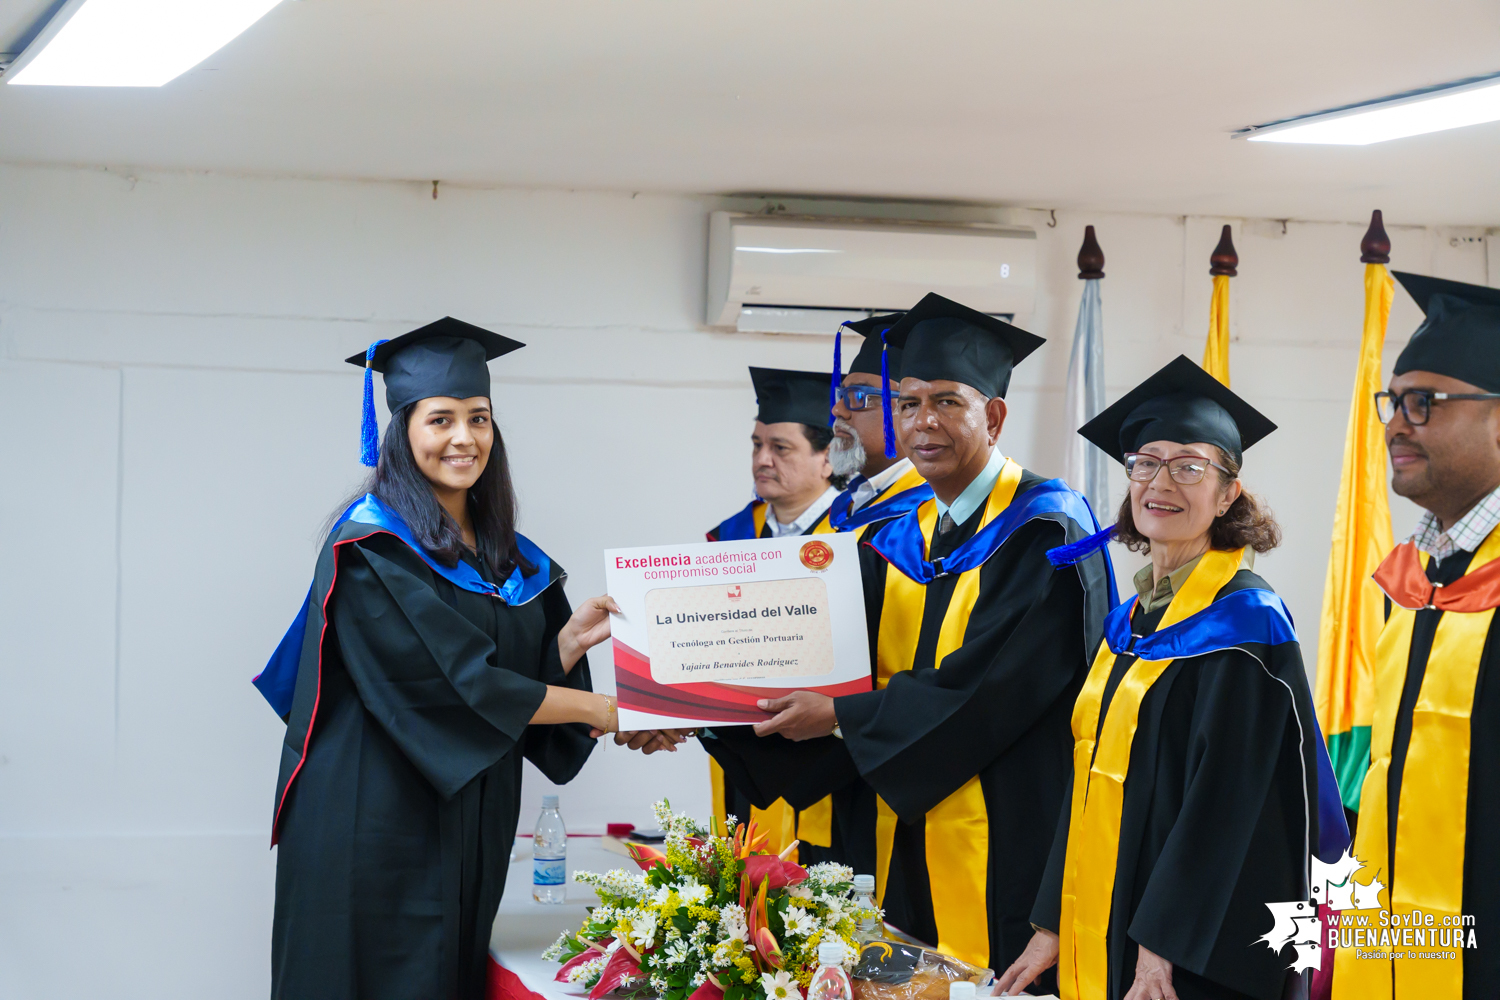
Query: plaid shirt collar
[(1465, 535)]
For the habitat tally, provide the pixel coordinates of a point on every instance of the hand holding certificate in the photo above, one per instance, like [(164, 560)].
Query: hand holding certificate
[(706, 630)]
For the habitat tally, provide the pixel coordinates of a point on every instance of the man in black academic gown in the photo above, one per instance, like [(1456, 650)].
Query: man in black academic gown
[(884, 485), (789, 459), (794, 485), (1429, 816), (981, 652)]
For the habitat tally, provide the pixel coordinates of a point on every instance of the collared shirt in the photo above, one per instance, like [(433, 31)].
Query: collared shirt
[(1465, 535), (805, 519), (1153, 597), (974, 495), (866, 490)]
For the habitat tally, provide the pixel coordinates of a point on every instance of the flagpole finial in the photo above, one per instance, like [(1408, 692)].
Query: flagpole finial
[(1224, 260), (1375, 248), (1090, 256)]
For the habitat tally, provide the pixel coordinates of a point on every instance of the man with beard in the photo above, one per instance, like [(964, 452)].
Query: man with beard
[(980, 655), (882, 482), (1429, 809)]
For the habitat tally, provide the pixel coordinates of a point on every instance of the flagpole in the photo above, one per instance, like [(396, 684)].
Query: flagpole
[(1223, 264), (1085, 467)]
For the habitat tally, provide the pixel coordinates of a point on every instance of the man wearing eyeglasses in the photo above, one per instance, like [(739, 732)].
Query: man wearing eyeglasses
[(883, 482), (980, 648), (1429, 813)]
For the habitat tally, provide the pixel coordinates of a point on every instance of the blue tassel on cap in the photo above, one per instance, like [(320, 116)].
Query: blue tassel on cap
[(885, 401), (838, 371), (1067, 555), (369, 430)]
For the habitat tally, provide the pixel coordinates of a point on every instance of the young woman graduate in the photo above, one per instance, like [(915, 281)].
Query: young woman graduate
[(435, 650), (1201, 783)]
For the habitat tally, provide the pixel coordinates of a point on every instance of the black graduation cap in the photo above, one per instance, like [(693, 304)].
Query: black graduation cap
[(1183, 403), (446, 358), (943, 339), (1460, 337), (867, 359), (790, 396)]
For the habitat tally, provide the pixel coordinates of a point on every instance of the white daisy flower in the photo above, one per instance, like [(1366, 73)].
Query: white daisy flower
[(643, 929), (781, 986)]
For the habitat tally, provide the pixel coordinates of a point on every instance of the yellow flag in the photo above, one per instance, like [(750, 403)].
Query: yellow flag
[(1353, 606), (1216, 351)]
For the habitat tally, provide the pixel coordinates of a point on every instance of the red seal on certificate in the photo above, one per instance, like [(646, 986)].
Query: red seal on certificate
[(817, 555)]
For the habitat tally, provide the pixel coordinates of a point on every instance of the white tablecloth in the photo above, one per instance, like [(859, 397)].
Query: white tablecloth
[(524, 928)]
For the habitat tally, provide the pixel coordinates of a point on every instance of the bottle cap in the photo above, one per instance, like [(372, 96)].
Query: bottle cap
[(831, 953), (549, 801), (962, 989), (864, 883)]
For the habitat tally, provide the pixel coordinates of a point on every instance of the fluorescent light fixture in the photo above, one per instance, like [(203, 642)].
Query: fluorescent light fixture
[(1472, 102), (781, 250), (131, 43)]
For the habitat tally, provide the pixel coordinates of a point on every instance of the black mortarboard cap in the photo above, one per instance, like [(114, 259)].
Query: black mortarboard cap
[(867, 358), (445, 358), (1460, 337), (944, 340), (790, 397), (1182, 403)]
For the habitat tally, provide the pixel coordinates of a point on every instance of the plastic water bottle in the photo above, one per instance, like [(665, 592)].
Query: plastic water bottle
[(549, 853), (830, 982), (868, 925)]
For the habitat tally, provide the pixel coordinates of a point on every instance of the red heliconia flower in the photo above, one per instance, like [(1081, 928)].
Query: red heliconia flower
[(646, 856), (766, 948)]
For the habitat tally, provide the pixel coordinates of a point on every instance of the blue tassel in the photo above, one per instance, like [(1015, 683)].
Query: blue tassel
[(369, 430), (885, 402), (1067, 555), (838, 370)]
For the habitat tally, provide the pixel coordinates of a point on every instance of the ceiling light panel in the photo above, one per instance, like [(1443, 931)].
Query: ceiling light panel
[(131, 43), (1433, 111)]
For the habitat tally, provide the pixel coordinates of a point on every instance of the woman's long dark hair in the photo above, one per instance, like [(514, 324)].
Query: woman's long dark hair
[(399, 484)]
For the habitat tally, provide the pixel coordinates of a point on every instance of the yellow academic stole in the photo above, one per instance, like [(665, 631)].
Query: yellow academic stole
[(958, 828), (1099, 789), (1430, 822)]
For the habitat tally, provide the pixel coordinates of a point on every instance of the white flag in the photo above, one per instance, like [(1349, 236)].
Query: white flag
[(1085, 468)]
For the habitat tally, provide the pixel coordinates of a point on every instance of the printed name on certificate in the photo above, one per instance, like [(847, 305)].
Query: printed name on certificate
[(740, 631)]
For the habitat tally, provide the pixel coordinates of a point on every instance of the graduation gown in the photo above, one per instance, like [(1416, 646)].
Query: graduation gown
[(401, 771), (783, 822), (1216, 818), (967, 749), (1433, 832)]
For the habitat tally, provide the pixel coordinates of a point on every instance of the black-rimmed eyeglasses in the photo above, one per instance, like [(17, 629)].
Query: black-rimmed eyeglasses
[(1416, 404)]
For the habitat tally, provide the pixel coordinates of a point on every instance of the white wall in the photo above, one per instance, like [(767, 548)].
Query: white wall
[(178, 424)]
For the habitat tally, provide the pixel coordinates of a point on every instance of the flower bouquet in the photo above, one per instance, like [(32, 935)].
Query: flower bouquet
[(710, 918)]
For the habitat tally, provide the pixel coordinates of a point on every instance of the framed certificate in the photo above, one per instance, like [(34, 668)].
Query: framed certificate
[(710, 628)]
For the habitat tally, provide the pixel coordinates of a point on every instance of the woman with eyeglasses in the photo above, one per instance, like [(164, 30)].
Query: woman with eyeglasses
[(1200, 783)]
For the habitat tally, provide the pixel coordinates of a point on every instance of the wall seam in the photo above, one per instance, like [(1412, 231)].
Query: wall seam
[(119, 545)]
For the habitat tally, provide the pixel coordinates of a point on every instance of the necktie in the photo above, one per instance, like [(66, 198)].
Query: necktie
[(946, 524)]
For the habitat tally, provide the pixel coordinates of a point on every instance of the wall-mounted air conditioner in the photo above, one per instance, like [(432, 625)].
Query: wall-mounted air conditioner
[(789, 274)]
